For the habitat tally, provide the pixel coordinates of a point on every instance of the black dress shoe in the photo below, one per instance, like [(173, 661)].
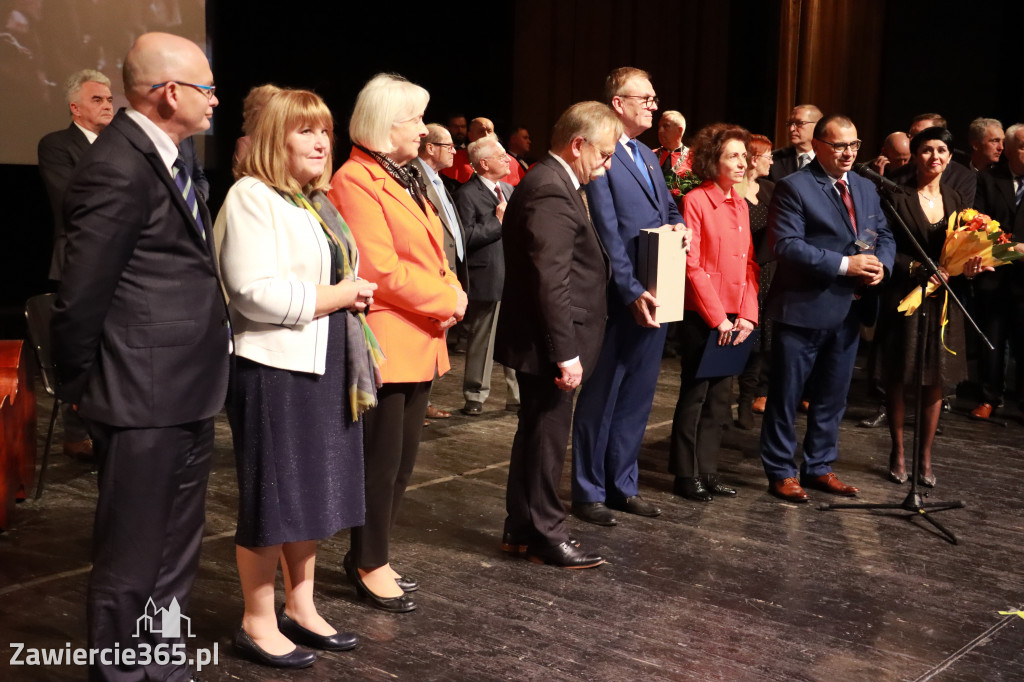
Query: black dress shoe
[(339, 641), (691, 489), (594, 512), (245, 645), (564, 555), (636, 505), (473, 408), (407, 584), (403, 604), (714, 486), (513, 544)]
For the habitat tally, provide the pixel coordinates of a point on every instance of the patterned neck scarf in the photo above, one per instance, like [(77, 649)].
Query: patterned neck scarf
[(408, 176), (363, 353)]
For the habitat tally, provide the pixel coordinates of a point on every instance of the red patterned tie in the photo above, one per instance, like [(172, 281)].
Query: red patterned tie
[(844, 192), (497, 191)]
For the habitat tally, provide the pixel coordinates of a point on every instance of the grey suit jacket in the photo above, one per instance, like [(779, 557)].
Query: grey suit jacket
[(59, 153), (457, 266)]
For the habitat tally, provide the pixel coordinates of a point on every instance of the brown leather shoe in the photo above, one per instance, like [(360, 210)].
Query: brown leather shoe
[(830, 483), (437, 413), (759, 403), (788, 489), (983, 411), (81, 449)]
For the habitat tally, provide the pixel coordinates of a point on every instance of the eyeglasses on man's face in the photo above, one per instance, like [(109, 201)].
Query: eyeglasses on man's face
[(450, 146), (646, 101), (797, 124), (208, 90), (841, 147)]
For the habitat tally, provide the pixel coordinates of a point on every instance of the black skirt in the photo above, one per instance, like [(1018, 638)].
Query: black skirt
[(299, 456)]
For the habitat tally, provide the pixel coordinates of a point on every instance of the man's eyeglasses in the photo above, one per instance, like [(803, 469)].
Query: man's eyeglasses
[(797, 124), (604, 155), (646, 101), (207, 90), (841, 147), (450, 146)]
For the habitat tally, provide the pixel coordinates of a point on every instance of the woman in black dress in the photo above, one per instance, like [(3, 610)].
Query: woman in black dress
[(925, 204), (303, 374), (753, 382)]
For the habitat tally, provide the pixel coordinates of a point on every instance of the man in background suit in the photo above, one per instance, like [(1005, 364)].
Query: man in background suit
[(814, 222), (999, 295), (518, 147), (551, 324), (88, 96), (141, 339), (436, 152), (800, 152), (612, 410), (481, 204), (461, 169)]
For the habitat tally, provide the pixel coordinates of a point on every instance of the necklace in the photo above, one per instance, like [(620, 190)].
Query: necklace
[(929, 199)]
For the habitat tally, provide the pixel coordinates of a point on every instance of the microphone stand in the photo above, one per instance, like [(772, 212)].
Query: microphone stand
[(914, 502)]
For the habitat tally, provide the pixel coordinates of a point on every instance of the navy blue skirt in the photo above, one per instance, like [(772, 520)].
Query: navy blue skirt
[(298, 454)]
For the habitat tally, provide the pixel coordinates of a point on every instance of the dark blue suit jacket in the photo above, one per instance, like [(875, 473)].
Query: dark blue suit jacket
[(621, 204), (810, 232)]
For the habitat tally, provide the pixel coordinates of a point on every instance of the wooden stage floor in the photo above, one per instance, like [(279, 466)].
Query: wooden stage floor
[(748, 588)]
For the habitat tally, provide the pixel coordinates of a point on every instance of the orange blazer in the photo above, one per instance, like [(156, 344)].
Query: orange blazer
[(402, 251)]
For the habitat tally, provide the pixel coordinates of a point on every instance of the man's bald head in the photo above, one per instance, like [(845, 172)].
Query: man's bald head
[(480, 127), (179, 107), (896, 148)]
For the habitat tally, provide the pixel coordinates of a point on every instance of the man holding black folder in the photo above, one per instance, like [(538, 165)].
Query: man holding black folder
[(821, 224)]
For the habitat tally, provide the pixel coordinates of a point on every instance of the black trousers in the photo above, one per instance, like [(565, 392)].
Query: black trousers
[(1001, 318), (149, 528), (535, 512), (391, 439), (702, 408)]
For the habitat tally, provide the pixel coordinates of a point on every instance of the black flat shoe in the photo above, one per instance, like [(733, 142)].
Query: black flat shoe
[(401, 604), (339, 641), (407, 584), (714, 486), (247, 647), (691, 489)]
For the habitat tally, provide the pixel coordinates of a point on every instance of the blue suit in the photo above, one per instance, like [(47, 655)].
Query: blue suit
[(614, 403), (817, 312)]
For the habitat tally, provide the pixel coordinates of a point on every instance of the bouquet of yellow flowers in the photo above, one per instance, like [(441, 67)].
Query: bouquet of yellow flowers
[(970, 234)]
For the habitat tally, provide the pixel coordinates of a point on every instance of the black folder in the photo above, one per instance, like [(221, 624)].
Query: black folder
[(725, 361)]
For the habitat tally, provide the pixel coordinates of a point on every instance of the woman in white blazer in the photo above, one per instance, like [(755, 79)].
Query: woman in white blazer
[(305, 370)]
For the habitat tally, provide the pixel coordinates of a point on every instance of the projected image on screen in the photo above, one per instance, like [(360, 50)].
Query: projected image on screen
[(42, 42)]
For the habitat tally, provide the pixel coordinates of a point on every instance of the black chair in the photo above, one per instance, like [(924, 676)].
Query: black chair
[(38, 311)]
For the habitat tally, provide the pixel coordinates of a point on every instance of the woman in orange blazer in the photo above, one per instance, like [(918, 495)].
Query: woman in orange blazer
[(721, 300), (401, 247)]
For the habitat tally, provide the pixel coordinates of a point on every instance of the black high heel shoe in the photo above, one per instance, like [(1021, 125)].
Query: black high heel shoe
[(247, 646), (898, 479), (403, 604), (339, 641)]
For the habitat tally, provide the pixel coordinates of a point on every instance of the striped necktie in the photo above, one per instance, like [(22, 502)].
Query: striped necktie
[(1020, 189), (184, 183)]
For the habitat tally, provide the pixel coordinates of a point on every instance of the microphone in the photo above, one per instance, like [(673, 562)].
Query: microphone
[(866, 171)]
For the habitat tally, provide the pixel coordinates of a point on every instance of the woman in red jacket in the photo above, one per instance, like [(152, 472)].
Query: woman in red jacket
[(721, 300)]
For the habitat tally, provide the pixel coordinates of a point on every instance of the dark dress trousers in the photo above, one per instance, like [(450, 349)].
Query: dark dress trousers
[(141, 345), (59, 153), (612, 409), (553, 310), (999, 295), (816, 329)]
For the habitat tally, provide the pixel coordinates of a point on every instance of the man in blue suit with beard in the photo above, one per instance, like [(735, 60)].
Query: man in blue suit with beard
[(833, 246), (613, 406)]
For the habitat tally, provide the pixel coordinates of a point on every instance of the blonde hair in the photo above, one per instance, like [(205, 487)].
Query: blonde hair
[(586, 120), (254, 103), (675, 117), (267, 157), (386, 99)]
